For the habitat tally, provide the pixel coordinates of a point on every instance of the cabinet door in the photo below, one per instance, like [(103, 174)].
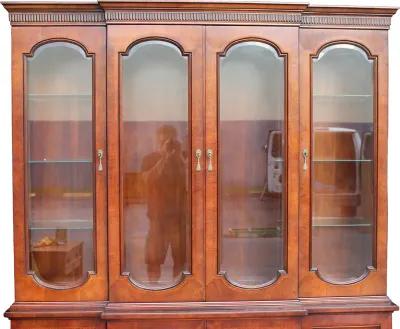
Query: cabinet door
[(155, 129), (251, 183), (343, 181), (59, 183)]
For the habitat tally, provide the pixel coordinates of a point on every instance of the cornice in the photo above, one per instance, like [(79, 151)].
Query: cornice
[(54, 18), (200, 12), (346, 21), (30, 13), (202, 17)]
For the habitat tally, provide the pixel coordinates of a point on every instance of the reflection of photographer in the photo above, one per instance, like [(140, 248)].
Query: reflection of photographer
[(164, 172)]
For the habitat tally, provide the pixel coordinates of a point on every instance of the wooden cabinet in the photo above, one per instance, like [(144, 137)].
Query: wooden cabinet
[(59, 195), (204, 165)]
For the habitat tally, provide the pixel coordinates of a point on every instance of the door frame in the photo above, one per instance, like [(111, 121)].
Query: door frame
[(218, 39), (374, 283), (190, 39), (93, 41)]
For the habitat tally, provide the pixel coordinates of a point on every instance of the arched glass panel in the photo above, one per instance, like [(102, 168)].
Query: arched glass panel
[(155, 145), (343, 215), (59, 184), (252, 238)]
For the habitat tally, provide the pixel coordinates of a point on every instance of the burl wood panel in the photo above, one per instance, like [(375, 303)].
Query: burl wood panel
[(156, 324), (269, 323), (348, 321), (59, 324)]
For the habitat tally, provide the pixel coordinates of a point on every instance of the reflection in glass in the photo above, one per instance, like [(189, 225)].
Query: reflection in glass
[(251, 164), (155, 164), (342, 170), (58, 112)]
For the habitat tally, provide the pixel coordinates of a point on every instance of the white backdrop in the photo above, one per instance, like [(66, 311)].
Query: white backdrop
[(6, 233)]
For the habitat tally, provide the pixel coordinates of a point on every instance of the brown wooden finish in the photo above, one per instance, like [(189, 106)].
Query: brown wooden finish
[(330, 305), (218, 39), (351, 321), (311, 285), (27, 289), (191, 41), (275, 323), (156, 324), (204, 310), (204, 29), (32, 310), (27, 13), (59, 323), (198, 12)]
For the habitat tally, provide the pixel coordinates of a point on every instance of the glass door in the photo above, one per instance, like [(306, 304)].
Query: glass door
[(340, 164), (251, 200), (157, 127), (64, 170)]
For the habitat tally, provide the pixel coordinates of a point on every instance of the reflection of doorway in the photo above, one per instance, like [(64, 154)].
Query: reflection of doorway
[(274, 163)]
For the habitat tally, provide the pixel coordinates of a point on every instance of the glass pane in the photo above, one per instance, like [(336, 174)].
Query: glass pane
[(155, 145), (58, 111), (343, 163), (251, 164)]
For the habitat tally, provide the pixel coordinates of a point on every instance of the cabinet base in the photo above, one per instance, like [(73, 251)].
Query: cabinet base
[(323, 313)]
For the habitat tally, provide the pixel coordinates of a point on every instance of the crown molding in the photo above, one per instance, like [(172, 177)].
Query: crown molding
[(56, 18), (203, 17), (58, 13), (346, 21), (200, 12)]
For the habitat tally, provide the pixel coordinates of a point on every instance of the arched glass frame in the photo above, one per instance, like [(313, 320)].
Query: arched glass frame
[(343, 169), (155, 164), (252, 169), (58, 111)]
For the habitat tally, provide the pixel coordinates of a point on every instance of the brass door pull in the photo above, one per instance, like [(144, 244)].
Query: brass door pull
[(305, 155), (198, 156), (100, 154), (209, 156)]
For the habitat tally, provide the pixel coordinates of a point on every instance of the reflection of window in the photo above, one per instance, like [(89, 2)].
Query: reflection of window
[(367, 146), (276, 150)]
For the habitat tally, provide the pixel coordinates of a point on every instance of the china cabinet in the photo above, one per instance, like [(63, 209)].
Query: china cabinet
[(199, 164)]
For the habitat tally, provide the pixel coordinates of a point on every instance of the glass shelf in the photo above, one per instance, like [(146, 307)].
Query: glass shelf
[(59, 161), (342, 160), (69, 195), (61, 95), (65, 224), (340, 222), (342, 96), (254, 232)]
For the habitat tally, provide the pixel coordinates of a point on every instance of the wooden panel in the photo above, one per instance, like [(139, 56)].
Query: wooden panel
[(92, 40), (61, 324), (351, 321), (190, 40), (204, 310), (311, 284), (272, 323), (156, 324), (285, 286)]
